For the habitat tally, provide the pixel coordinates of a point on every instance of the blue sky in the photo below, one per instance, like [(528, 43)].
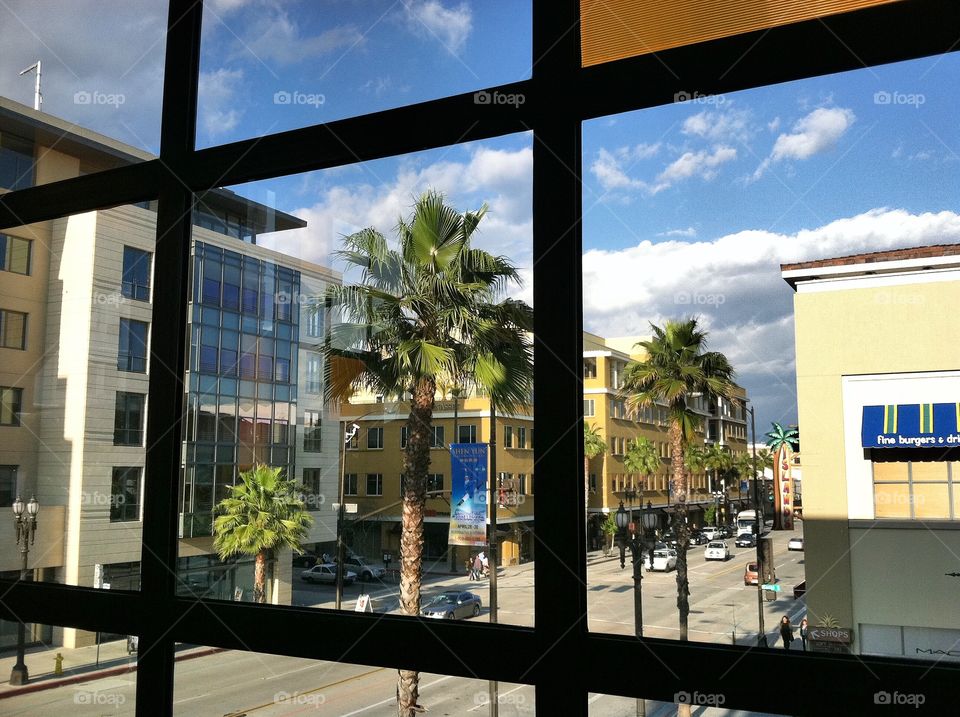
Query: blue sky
[(688, 208)]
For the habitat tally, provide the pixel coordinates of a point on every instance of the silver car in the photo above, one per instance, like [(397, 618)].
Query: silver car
[(451, 605), (326, 573)]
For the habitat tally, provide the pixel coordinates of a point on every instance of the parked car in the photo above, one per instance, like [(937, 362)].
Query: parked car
[(795, 544), (716, 550), (452, 604), (326, 573), (307, 560), (799, 590), (698, 538), (751, 574), (746, 541), (664, 560), (710, 532), (669, 539), (362, 567)]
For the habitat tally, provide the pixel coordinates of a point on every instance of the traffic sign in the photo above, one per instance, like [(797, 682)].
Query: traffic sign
[(775, 588)]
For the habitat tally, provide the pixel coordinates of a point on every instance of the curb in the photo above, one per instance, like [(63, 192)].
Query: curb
[(97, 674)]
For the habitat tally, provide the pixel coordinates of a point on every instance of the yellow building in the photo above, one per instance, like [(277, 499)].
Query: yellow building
[(878, 387), (373, 464), (374, 459), (605, 408)]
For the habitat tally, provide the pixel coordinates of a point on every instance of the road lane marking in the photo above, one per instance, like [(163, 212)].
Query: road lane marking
[(391, 699), (499, 695), (308, 692)]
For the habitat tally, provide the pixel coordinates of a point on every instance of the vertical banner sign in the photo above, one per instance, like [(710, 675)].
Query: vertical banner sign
[(468, 493), (783, 488)]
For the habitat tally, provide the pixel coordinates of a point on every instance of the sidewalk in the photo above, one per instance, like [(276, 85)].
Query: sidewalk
[(79, 665)]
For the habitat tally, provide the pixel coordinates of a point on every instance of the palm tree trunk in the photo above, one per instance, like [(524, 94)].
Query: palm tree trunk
[(416, 463), (260, 577), (680, 484), (586, 498)]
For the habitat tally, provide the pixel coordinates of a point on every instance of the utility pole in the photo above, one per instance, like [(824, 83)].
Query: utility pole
[(492, 546), (347, 437), (762, 636)]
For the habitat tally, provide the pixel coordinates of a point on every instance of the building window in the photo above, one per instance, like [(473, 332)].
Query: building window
[(313, 496), (350, 484), (531, 484), (128, 420), (589, 368), (521, 437), (374, 483), (16, 162), (593, 482), (125, 495), (436, 437), (132, 353), (375, 437), (11, 403), (589, 408), (13, 329), (434, 482), (466, 434), (508, 436), (313, 320), (403, 436), (136, 274), (15, 254), (314, 383), (915, 489), (8, 485), (354, 443), (311, 431), (522, 483)]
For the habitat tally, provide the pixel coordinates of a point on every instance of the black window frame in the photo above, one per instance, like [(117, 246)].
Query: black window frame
[(559, 97)]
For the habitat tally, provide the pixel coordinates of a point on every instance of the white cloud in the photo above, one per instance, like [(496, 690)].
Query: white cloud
[(817, 132), (730, 125), (278, 39), (501, 178), (733, 283), (218, 107), (702, 164), (451, 26), (688, 232), (774, 124)]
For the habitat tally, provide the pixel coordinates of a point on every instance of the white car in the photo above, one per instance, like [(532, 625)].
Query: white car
[(716, 550), (326, 573), (795, 544), (711, 533), (664, 559)]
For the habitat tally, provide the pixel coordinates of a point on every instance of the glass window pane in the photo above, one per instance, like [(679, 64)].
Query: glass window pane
[(931, 501), (312, 66)]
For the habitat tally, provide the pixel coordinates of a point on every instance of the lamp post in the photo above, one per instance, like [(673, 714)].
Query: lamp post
[(26, 529), (762, 636), (347, 437), (627, 537)]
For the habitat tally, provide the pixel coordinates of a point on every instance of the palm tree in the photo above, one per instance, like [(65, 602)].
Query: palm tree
[(718, 459), (675, 369), (427, 310), (593, 446), (262, 513), (643, 458)]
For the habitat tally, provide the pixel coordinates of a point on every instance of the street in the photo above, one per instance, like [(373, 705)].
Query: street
[(233, 683)]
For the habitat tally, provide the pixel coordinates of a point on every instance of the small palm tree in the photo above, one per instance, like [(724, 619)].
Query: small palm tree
[(593, 446), (609, 529), (262, 513), (642, 458), (675, 369), (428, 310)]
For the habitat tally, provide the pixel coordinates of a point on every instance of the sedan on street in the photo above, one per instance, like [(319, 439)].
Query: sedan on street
[(452, 604), (795, 544), (664, 560), (716, 550), (326, 573), (746, 541)]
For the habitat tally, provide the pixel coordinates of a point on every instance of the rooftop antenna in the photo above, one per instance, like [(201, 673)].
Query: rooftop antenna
[(37, 97)]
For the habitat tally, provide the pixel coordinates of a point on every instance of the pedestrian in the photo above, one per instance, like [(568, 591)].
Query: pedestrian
[(786, 632), (477, 568), (803, 633)]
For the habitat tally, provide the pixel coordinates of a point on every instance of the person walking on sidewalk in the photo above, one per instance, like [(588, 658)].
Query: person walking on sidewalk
[(786, 632), (803, 633)]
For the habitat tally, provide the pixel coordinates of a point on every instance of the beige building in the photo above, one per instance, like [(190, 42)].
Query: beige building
[(879, 389), (75, 315)]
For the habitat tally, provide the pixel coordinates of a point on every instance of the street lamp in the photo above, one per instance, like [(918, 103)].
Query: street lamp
[(347, 437), (627, 537), (762, 636), (26, 529)]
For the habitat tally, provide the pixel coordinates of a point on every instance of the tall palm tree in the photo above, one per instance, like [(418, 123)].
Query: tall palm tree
[(676, 368), (429, 309), (719, 460), (642, 458), (262, 513), (593, 446)]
